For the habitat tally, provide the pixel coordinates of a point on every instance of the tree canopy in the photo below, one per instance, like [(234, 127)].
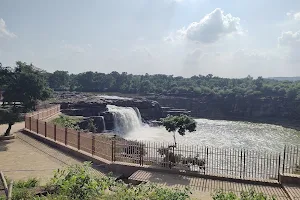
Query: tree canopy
[(195, 86), (180, 124), (23, 86)]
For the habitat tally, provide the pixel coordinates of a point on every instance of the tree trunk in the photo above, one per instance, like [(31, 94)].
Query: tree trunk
[(7, 132), (174, 139)]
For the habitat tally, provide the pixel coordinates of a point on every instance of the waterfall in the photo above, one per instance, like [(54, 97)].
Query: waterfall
[(126, 119), (138, 113), (103, 123)]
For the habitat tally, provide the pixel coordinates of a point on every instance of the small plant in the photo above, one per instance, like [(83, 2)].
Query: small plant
[(181, 124), (244, 195), (66, 121), (30, 183), (77, 183), (91, 126)]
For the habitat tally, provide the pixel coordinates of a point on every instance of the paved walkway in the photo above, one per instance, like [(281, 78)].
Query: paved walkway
[(25, 157), (201, 187), (293, 190)]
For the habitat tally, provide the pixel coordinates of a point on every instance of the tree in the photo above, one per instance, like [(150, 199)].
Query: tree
[(9, 116), (25, 86), (59, 80), (91, 126), (179, 124)]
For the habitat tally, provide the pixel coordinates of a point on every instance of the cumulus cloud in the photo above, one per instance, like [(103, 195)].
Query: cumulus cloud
[(4, 32), (290, 42), (297, 16), (209, 29), (289, 38)]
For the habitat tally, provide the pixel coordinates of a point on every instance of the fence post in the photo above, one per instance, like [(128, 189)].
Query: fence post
[(113, 148), (141, 153), (66, 136), (54, 132), (29, 123), (45, 129), (279, 167), (241, 163), (244, 163), (283, 162), (206, 162), (78, 140), (37, 126), (93, 144)]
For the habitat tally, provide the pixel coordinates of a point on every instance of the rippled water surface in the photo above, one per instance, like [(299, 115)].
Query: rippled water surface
[(225, 134)]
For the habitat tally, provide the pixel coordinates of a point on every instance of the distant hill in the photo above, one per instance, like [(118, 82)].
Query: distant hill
[(296, 78)]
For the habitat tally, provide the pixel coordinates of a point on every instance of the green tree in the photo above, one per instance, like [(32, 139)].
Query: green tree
[(91, 126), (59, 80), (179, 124), (25, 86)]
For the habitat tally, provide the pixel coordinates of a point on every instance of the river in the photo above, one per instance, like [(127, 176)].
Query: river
[(224, 134)]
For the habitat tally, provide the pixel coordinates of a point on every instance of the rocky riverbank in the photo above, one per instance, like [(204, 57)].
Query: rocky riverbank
[(269, 110)]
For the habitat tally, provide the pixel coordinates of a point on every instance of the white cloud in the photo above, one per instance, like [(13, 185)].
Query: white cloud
[(209, 29), (4, 32), (289, 39), (297, 16)]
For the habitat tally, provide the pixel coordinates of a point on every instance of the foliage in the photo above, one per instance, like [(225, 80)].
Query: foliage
[(23, 87), (146, 191), (59, 80), (77, 183), (91, 126), (181, 124), (195, 86), (244, 195), (9, 116), (67, 121), (22, 189), (30, 183)]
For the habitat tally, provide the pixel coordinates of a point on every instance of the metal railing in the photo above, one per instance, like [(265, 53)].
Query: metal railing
[(234, 163)]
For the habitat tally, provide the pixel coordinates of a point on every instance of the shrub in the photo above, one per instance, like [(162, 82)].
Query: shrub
[(30, 183), (244, 195)]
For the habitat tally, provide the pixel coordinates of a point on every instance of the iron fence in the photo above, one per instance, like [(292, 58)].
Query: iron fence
[(226, 162)]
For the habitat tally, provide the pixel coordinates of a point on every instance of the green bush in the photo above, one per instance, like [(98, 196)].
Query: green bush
[(67, 121), (77, 183), (30, 183), (244, 195)]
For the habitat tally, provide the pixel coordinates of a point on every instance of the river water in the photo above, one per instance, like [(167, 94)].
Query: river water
[(224, 134)]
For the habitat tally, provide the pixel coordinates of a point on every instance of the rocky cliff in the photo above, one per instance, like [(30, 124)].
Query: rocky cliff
[(86, 104), (269, 110)]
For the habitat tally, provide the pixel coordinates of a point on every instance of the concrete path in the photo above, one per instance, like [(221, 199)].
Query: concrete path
[(15, 128), (202, 187), (25, 157)]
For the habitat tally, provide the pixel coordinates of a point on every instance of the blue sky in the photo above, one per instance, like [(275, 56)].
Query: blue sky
[(232, 38)]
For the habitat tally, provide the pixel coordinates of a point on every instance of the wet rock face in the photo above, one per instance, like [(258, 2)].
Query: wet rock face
[(234, 108), (90, 105)]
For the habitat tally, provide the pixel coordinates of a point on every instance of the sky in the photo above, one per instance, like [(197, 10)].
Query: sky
[(232, 38)]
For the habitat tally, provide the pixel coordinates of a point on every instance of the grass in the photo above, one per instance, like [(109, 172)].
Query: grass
[(76, 182), (67, 121)]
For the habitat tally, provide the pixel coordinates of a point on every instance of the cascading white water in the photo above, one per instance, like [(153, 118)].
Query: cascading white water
[(103, 123), (138, 113), (126, 119)]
